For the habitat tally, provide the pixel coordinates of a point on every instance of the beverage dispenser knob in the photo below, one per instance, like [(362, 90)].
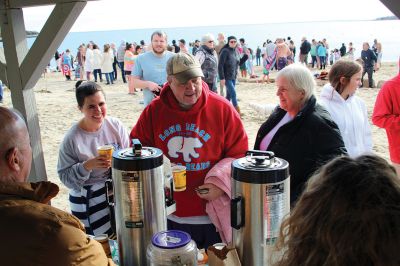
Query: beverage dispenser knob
[(136, 147), (267, 154), (260, 158)]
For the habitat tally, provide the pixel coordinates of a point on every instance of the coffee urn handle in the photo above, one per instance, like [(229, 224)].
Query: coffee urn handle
[(109, 187), (268, 154), (111, 202), (170, 204), (237, 212)]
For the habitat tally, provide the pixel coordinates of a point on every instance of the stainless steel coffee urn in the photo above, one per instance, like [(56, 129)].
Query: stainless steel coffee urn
[(143, 199), (260, 200)]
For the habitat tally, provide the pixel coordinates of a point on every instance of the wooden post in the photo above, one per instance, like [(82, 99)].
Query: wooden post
[(23, 67), (23, 99)]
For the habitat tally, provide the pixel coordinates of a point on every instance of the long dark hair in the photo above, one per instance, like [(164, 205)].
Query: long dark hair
[(349, 214)]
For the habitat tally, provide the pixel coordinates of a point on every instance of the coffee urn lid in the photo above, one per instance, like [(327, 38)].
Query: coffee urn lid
[(137, 158), (171, 239), (260, 167)]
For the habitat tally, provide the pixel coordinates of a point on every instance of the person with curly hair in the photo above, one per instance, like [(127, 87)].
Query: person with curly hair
[(349, 214)]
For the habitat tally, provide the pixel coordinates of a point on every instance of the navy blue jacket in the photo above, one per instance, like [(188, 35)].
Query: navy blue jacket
[(228, 63), (305, 47), (368, 57)]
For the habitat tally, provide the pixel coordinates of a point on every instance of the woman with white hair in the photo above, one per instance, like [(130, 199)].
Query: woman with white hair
[(299, 130), (208, 59)]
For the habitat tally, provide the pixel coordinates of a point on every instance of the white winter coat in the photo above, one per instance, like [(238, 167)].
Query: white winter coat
[(88, 60), (352, 118), (108, 60), (97, 59)]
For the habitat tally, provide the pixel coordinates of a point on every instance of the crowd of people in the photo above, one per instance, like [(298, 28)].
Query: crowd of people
[(91, 63), (340, 192)]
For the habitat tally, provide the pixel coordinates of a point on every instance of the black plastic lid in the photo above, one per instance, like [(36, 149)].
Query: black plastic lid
[(130, 160), (260, 167)]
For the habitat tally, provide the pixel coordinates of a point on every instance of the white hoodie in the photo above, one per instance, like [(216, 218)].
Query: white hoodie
[(352, 118)]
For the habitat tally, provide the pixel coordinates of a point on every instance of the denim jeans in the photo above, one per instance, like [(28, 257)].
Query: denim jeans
[(109, 78), (323, 63), (121, 66), (230, 91), (314, 60), (258, 60), (95, 72), (148, 96)]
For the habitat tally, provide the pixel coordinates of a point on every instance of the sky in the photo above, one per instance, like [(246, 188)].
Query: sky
[(132, 14)]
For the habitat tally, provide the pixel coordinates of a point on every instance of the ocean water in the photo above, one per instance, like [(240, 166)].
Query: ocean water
[(336, 32)]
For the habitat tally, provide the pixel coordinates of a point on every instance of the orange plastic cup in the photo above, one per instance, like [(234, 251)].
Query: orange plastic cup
[(179, 174), (106, 150)]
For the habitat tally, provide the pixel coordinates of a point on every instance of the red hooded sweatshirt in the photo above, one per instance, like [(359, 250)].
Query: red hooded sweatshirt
[(387, 115), (197, 138)]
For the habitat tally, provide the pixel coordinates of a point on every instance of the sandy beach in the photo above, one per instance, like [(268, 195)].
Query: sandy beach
[(58, 111)]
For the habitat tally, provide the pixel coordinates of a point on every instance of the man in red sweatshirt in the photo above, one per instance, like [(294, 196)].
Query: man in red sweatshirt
[(200, 130), (387, 115)]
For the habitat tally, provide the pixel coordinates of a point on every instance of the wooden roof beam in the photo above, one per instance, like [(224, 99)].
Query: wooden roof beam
[(393, 5), (6, 4), (49, 39)]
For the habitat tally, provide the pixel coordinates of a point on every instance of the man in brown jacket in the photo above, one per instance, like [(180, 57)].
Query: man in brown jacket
[(32, 232)]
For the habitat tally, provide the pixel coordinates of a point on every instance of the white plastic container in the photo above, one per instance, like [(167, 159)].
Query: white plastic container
[(172, 247)]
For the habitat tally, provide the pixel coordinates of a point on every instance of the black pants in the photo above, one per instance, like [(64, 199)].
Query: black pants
[(369, 71), (114, 76), (203, 234)]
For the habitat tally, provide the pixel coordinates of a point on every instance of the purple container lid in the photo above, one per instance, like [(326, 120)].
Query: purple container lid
[(171, 239)]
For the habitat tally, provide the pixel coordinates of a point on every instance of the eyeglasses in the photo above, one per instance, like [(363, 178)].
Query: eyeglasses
[(210, 41), (232, 41)]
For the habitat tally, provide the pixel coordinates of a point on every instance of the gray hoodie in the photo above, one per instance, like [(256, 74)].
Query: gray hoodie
[(78, 146)]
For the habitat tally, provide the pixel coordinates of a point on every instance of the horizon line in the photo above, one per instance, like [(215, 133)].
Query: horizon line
[(224, 25)]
